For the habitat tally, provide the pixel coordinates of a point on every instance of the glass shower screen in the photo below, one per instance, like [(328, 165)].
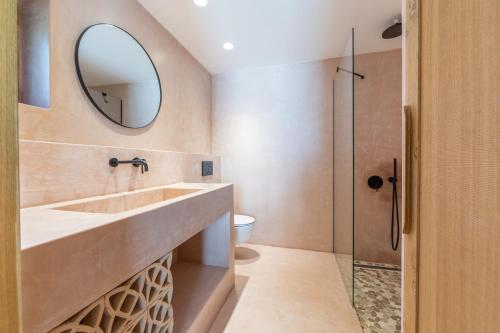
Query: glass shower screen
[(343, 165)]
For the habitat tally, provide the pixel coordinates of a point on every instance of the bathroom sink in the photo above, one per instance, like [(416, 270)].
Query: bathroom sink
[(119, 203), (109, 238)]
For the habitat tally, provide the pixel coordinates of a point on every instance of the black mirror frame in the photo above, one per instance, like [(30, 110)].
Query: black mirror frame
[(82, 82)]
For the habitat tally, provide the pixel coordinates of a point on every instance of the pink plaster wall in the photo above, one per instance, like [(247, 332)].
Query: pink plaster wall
[(378, 139), (184, 121), (273, 127)]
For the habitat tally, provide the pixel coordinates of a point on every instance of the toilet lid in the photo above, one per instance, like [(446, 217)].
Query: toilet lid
[(242, 220)]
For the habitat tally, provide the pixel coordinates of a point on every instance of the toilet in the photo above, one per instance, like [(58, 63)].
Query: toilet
[(243, 226)]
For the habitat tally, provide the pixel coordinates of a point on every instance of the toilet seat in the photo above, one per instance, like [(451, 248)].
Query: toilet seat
[(243, 220)]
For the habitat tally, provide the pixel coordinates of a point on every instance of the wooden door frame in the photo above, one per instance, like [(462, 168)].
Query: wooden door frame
[(9, 182), (411, 184)]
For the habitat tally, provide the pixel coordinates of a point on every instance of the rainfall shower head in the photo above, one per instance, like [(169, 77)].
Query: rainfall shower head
[(393, 31)]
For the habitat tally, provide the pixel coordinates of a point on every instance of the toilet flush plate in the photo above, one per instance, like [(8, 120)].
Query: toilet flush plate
[(207, 168)]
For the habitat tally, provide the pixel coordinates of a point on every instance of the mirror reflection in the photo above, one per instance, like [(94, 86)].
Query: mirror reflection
[(118, 75)]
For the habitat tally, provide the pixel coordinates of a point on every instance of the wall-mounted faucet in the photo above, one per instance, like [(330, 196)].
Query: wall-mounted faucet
[(135, 162)]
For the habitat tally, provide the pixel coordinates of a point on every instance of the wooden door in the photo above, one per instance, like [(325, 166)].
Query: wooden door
[(458, 203), (9, 202)]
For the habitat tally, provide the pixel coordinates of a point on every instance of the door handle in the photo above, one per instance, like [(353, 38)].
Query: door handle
[(408, 158)]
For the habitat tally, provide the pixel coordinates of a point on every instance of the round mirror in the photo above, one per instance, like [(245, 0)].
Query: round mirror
[(118, 75)]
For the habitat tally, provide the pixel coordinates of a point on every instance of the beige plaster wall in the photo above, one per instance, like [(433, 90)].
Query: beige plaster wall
[(273, 128), (343, 172), (184, 121), (378, 139), (52, 172)]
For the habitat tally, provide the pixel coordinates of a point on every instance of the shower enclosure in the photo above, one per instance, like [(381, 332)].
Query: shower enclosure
[(343, 167), (367, 153)]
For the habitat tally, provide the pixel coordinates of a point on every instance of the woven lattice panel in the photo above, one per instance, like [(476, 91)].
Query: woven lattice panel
[(140, 305)]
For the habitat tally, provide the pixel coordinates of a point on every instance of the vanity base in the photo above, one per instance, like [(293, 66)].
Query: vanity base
[(141, 304), (80, 256), (200, 292)]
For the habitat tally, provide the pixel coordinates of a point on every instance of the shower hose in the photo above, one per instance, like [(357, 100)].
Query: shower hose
[(395, 208)]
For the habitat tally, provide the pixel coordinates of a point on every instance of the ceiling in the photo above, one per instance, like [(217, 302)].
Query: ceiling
[(271, 32)]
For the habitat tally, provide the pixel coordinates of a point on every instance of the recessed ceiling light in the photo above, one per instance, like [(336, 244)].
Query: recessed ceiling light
[(228, 46), (201, 3)]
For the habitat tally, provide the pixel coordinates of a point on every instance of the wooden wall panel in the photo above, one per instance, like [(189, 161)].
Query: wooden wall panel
[(459, 265), (9, 193), (411, 100)]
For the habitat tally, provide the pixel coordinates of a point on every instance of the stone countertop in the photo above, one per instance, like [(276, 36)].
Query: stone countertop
[(71, 258), (43, 224)]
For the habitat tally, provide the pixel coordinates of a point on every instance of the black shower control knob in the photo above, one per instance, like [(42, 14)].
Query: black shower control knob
[(375, 182)]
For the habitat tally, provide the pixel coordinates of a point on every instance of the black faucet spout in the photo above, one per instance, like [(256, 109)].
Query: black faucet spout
[(114, 162)]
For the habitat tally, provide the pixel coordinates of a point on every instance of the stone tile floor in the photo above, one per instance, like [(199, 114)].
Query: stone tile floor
[(377, 297), (286, 290)]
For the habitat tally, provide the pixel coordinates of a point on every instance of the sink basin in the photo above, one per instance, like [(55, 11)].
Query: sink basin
[(109, 238), (123, 202)]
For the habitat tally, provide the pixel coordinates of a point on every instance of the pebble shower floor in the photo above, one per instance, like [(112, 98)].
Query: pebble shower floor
[(378, 297)]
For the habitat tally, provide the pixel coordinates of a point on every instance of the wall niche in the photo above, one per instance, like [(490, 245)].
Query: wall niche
[(34, 52)]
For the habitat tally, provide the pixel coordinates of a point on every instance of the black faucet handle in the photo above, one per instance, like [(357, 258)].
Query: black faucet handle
[(113, 162)]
